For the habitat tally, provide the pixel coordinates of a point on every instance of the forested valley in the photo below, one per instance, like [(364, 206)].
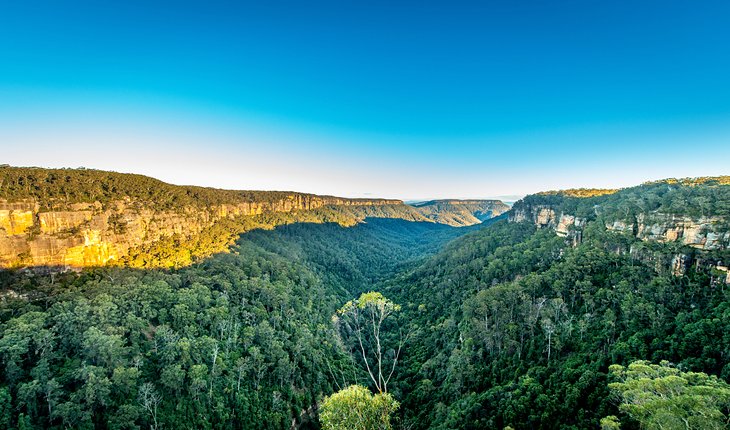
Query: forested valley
[(516, 323)]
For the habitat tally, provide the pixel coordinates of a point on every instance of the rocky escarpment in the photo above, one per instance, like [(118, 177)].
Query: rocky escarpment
[(708, 232), (92, 234), (81, 217), (565, 225), (546, 216), (703, 233), (461, 212), (693, 214)]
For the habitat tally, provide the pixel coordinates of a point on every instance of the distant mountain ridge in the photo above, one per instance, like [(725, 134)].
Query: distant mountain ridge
[(461, 212), (85, 217)]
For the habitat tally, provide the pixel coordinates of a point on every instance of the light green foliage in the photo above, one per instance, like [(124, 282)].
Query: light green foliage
[(356, 408), (662, 397), (373, 302), (610, 422)]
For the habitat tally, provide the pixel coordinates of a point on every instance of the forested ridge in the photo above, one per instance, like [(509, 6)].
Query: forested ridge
[(62, 187), (84, 217), (518, 326), (502, 325), (694, 197)]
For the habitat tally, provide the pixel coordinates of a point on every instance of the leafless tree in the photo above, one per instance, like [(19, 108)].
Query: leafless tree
[(150, 399)]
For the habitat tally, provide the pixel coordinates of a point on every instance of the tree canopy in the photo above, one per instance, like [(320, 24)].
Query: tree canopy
[(507, 325), (661, 397), (356, 408)]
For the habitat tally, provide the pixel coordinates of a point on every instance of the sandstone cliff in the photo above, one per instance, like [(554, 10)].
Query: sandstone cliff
[(80, 217), (691, 214), (708, 232), (88, 234)]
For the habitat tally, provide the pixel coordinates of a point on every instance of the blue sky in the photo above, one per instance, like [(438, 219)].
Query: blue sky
[(406, 99)]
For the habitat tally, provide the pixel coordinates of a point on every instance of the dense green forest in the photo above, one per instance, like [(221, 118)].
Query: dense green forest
[(501, 325), (517, 329), (60, 187), (242, 340), (176, 251)]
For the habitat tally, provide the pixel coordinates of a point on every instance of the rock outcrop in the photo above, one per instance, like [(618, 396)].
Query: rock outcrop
[(16, 218), (703, 232), (565, 225), (89, 234), (80, 217)]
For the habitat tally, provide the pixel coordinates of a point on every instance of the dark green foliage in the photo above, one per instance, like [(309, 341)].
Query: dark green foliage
[(511, 325), (65, 186), (80, 361), (518, 329), (241, 340)]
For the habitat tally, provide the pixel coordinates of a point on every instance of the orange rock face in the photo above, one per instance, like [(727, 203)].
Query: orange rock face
[(86, 234)]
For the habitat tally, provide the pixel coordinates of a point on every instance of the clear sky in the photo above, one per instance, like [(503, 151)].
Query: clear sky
[(405, 99)]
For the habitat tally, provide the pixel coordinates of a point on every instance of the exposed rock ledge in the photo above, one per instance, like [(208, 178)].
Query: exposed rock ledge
[(89, 234), (702, 233)]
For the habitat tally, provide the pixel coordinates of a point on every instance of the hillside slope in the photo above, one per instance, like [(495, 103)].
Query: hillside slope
[(682, 212), (518, 322), (238, 341), (461, 212), (80, 217)]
